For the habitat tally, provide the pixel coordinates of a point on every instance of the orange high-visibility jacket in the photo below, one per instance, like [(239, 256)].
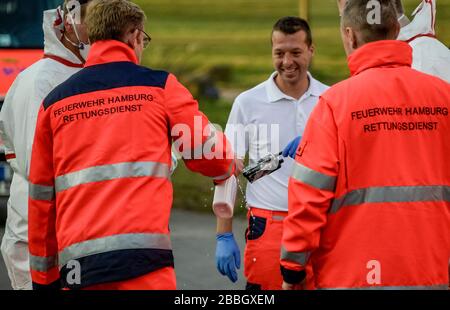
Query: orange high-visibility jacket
[(369, 197), (100, 189)]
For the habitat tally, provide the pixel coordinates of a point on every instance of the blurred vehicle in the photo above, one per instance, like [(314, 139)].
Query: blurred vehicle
[(21, 44)]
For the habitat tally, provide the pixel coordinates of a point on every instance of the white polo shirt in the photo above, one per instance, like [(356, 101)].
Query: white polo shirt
[(264, 120)]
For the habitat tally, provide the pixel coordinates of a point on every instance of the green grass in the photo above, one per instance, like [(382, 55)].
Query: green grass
[(191, 36)]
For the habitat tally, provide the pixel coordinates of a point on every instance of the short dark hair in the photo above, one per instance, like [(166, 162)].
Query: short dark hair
[(355, 15), (399, 6), (291, 25)]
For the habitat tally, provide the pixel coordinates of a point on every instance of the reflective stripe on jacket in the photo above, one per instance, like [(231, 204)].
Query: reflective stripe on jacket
[(369, 197), (100, 192)]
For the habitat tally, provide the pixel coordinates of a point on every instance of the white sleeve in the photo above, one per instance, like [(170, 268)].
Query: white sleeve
[(18, 118), (7, 126), (42, 86), (432, 57), (236, 131)]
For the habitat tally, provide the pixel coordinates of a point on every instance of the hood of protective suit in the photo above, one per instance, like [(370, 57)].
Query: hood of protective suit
[(423, 22), (53, 27)]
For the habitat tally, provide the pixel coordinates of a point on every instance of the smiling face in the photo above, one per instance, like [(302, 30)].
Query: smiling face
[(291, 56)]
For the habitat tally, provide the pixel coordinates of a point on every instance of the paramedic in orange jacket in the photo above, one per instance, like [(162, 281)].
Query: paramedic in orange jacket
[(369, 202), (100, 193)]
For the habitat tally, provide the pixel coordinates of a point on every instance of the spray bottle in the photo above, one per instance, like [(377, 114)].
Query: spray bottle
[(266, 165)]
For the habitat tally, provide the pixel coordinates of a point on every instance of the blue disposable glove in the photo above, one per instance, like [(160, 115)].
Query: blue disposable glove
[(292, 147), (228, 256)]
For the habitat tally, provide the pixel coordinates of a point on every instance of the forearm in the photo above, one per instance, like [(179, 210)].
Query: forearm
[(224, 225)]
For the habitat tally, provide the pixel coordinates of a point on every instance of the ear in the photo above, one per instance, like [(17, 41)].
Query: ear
[(132, 38), (347, 33), (312, 49), (352, 38), (139, 37)]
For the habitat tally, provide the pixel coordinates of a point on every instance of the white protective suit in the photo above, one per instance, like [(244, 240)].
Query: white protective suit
[(429, 55), (17, 126)]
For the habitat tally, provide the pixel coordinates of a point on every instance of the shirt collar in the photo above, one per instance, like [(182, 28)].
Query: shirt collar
[(275, 94)]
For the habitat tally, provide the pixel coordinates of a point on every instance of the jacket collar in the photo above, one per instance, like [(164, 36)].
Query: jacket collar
[(110, 51), (53, 47), (388, 53)]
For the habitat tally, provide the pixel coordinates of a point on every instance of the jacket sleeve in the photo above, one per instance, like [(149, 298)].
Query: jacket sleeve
[(7, 127), (41, 208), (311, 189), (203, 148)]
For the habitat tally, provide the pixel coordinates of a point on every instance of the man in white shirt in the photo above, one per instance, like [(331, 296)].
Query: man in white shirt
[(65, 50), (429, 54), (263, 120)]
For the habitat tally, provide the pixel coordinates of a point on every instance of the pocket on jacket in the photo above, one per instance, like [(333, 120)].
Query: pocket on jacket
[(256, 227)]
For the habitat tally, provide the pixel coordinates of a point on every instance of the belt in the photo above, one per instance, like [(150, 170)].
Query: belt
[(274, 215)]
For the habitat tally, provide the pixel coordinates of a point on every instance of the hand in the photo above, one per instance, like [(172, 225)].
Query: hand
[(293, 287), (291, 148), (228, 256)]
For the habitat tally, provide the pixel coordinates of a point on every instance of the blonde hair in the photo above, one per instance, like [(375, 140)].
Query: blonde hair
[(112, 19)]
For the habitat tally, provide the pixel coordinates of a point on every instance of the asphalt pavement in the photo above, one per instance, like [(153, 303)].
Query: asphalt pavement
[(193, 241)]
